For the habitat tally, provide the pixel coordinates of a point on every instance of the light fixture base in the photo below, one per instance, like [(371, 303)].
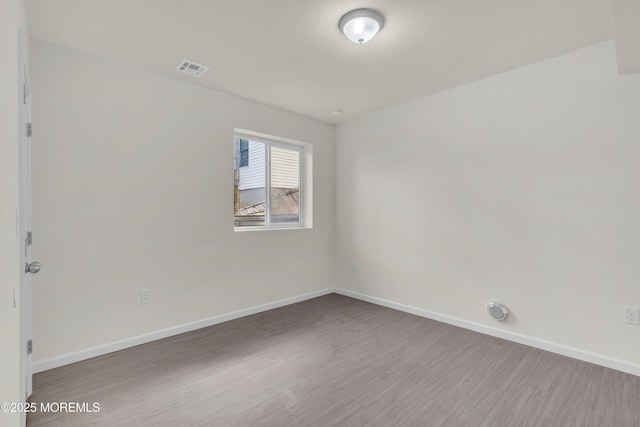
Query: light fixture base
[(361, 25)]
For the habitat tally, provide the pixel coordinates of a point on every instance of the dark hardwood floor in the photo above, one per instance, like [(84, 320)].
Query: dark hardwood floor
[(336, 361)]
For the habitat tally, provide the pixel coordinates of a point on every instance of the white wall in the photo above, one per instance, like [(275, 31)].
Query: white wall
[(133, 188), (11, 18), (522, 187), (626, 15)]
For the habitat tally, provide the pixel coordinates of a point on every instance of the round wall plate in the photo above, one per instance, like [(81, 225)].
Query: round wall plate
[(497, 310)]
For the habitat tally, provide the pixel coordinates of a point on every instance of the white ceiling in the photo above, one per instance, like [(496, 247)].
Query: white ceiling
[(290, 53)]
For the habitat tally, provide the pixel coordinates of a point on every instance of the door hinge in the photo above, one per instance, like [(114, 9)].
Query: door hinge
[(29, 130), (29, 346), (29, 238), (24, 94)]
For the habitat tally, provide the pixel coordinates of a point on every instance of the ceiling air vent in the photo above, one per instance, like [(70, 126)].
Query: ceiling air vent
[(191, 68)]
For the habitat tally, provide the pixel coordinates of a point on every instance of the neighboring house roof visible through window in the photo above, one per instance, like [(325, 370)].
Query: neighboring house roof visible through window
[(283, 200)]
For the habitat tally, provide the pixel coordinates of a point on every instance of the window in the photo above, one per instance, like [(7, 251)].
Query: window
[(244, 153), (268, 190)]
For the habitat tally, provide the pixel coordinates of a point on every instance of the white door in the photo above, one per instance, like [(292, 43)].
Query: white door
[(24, 218)]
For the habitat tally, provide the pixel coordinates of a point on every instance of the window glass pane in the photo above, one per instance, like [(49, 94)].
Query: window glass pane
[(285, 185), (249, 183), (244, 153)]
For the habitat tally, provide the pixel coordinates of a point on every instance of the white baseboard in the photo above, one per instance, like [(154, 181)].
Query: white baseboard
[(597, 359), (66, 359)]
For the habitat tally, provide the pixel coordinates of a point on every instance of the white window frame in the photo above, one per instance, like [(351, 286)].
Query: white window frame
[(302, 149)]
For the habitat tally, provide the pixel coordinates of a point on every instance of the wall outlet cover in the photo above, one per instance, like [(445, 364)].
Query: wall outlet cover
[(631, 315), (145, 296)]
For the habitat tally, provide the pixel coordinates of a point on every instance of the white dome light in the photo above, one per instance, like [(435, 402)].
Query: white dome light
[(361, 25)]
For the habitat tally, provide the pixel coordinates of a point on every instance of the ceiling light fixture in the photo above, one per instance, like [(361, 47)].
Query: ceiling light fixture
[(361, 25)]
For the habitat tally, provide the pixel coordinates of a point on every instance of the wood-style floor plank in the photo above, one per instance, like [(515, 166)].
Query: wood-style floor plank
[(336, 361)]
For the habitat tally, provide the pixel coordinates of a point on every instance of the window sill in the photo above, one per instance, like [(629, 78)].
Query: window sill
[(243, 229)]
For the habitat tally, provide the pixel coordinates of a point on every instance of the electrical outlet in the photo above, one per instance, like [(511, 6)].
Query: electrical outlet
[(145, 296), (632, 316), (355, 267)]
